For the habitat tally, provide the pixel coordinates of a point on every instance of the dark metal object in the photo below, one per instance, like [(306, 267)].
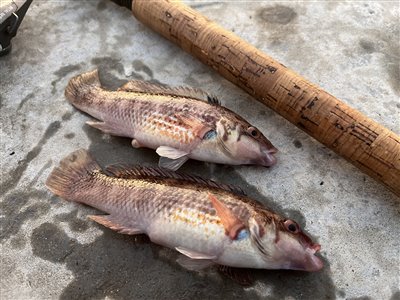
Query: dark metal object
[(11, 15), (124, 3)]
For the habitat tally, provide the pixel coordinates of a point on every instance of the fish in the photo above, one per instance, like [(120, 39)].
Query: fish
[(180, 123), (208, 223)]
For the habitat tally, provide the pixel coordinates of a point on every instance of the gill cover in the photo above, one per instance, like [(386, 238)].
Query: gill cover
[(256, 235)]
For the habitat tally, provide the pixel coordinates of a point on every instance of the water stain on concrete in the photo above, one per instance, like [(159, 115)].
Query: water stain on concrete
[(24, 100), (69, 135), (18, 242), (51, 243), (297, 144), (40, 173), (61, 73), (30, 46), (101, 6), (341, 293), (367, 46), (389, 47), (122, 40), (139, 66), (280, 24), (106, 65), (277, 14), (68, 115), (392, 63), (15, 175), (65, 70), (16, 213), (74, 223), (396, 295)]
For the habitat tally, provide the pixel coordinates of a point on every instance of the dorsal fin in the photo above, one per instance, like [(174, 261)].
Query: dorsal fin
[(138, 172), (180, 91)]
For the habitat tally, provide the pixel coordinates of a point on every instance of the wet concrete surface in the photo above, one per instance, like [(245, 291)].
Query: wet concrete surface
[(50, 250)]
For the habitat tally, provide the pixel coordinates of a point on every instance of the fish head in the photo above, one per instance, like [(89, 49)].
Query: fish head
[(283, 245), (244, 143)]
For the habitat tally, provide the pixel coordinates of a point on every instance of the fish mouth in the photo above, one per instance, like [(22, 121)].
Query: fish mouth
[(304, 258), (313, 263), (309, 263), (315, 248), (269, 159)]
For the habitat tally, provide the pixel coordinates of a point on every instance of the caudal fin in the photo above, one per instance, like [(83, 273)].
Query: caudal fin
[(79, 86), (73, 170)]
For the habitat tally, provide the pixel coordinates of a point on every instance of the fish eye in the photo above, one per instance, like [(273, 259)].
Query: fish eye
[(253, 132), (291, 226)]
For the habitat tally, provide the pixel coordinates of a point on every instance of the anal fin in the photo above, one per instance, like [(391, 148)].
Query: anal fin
[(238, 275), (118, 223), (170, 152)]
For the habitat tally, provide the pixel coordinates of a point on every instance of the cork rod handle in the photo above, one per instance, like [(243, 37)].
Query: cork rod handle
[(365, 143)]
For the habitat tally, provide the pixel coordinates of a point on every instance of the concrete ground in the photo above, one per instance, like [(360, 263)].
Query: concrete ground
[(50, 250)]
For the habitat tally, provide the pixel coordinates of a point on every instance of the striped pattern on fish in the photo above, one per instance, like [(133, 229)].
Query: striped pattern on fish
[(205, 221), (180, 123)]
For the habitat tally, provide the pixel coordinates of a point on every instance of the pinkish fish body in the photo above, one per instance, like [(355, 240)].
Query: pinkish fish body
[(205, 221), (179, 123)]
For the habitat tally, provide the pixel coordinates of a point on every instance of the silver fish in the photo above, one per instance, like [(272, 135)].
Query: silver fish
[(180, 123), (207, 222)]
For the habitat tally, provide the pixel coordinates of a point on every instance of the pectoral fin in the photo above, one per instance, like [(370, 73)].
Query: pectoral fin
[(171, 158), (194, 254), (172, 164), (170, 152), (232, 224), (117, 223), (196, 126)]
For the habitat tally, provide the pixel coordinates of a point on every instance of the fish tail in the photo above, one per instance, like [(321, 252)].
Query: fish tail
[(79, 86), (72, 171)]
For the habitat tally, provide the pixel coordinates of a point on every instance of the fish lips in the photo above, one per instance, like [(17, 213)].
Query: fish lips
[(268, 158), (309, 263), (301, 257)]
